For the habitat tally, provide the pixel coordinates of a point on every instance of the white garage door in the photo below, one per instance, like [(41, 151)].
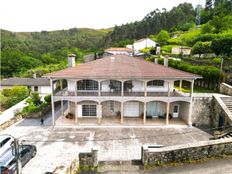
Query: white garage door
[(131, 109)]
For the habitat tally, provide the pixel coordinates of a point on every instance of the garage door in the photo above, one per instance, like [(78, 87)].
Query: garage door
[(131, 109)]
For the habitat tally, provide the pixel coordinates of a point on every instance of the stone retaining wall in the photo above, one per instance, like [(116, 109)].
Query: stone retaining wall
[(10, 122), (186, 152), (202, 110), (225, 89), (89, 159)]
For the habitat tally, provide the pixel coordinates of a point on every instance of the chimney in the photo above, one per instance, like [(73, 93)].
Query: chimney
[(34, 75), (71, 60), (166, 60)]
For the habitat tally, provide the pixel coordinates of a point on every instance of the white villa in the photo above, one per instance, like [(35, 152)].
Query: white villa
[(141, 44), (119, 51), (121, 89)]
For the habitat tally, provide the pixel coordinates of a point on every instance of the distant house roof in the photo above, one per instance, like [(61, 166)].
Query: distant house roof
[(119, 49), (25, 82), (122, 67), (140, 40)]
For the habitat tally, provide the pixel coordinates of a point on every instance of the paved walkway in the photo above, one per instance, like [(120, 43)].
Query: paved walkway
[(59, 145)]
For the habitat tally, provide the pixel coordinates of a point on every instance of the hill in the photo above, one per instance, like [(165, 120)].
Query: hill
[(21, 51)]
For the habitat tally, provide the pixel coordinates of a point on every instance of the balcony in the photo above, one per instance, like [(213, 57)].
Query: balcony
[(64, 92)]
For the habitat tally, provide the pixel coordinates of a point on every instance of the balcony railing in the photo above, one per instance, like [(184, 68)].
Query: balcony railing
[(64, 92)]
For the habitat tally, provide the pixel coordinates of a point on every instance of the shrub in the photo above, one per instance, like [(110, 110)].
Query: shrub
[(47, 98)]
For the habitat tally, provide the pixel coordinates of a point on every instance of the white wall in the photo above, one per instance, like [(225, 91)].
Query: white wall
[(105, 86), (44, 90), (71, 86), (144, 44)]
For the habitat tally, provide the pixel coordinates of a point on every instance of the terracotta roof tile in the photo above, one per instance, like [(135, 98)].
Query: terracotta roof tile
[(122, 67)]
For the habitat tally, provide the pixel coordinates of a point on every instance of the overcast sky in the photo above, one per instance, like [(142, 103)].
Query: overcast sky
[(37, 15)]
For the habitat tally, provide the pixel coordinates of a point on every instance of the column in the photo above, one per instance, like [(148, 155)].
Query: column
[(122, 112), (122, 88), (99, 112), (167, 113), (169, 89), (145, 88), (145, 113), (180, 85), (191, 90), (52, 102), (62, 108), (75, 88), (190, 114), (75, 115), (99, 88)]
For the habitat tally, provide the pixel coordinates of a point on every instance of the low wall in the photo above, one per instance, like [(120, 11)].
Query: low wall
[(186, 152), (89, 159), (202, 110), (10, 113), (225, 89)]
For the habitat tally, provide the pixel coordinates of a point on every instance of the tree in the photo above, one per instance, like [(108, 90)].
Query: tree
[(201, 48), (222, 46), (207, 28), (163, 37)]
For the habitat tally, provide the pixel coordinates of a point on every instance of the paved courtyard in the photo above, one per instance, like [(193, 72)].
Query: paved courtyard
[(59, 145)]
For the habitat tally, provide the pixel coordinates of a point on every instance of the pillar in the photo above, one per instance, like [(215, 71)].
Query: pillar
[(169, 89), (52, 102), (99, 88), (122, 112), (75, 115), (190, 114), (62, 108), (180, 85), (145, 88), (99, 112), (167, 113), (122, 90), (145, 113), (75, 88), (191, 90)]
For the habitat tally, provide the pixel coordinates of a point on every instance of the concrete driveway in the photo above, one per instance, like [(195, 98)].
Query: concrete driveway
[(58, 146)]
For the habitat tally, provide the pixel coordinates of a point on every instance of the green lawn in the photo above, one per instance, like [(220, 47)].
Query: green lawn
[(196, 90)]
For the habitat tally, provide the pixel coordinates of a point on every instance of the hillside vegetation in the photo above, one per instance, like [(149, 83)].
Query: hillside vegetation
[(21, 51)]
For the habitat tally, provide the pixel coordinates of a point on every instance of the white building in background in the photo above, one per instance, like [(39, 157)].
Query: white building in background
[(40, 85), (141, 44)]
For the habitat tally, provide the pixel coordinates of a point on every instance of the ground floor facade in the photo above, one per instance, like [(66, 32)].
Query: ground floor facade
[(163, 111)]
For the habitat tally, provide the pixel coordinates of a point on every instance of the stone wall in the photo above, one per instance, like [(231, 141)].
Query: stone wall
[(202, 111), (187, 152), (225, 89), (10, 122), (219, 111), (106, 110), (89, 159)]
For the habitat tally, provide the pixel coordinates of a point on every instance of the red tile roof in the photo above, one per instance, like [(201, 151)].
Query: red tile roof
[(122, 67), (119, 49)]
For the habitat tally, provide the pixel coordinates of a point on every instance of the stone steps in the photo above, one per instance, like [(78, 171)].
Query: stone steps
[(228, 102), (119, 166)]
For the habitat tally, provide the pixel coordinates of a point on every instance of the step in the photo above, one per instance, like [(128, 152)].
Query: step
[(116, 166)]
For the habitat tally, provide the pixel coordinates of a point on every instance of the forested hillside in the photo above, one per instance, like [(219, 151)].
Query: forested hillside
[(180, 17), (21, 51)]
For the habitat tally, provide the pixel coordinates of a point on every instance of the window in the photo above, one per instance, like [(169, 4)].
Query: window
[(156, 83), (112, 106), (4, 142), (116, 85), (36, 88), (89, 110), (87, 85)]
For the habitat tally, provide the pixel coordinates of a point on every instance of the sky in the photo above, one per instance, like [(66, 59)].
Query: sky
[(38, 15)]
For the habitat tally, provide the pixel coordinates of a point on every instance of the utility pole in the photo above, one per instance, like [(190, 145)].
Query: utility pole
[(17, 156)]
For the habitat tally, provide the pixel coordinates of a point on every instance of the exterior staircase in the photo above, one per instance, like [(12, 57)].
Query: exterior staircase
[(227, 133), (228, 102)]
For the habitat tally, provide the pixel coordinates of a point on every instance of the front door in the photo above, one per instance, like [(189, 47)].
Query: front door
[(175, 112)]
